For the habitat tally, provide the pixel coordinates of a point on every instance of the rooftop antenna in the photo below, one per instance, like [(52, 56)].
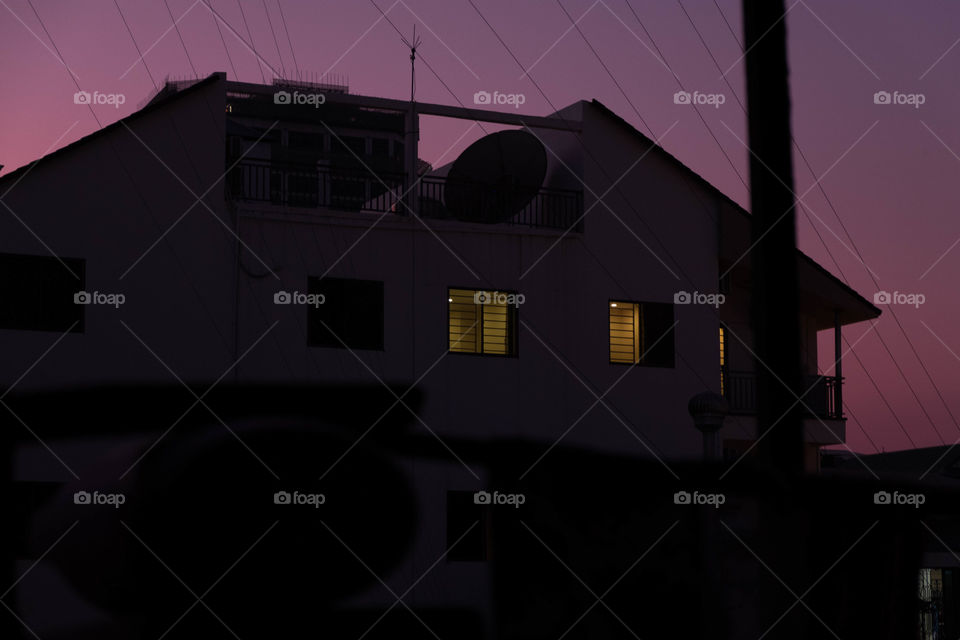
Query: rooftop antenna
[(412, 125), (412, 45)]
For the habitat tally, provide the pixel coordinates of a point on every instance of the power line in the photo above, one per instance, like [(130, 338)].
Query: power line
[(880, 393), (802, 208), (427, 64), (57, 49), (588, 151), (853, 244), (135, 45), (216, 23), (729, 28), (861, 427), (273, 33), (248, 45), (293, 53), (180, 36), (680, 84), (263, 78), (614, 413), (143, 200)]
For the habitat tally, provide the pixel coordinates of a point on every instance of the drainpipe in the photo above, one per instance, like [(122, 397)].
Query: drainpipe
[(837, 365)]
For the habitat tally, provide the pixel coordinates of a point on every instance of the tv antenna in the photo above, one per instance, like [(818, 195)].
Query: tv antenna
[(412, 44)]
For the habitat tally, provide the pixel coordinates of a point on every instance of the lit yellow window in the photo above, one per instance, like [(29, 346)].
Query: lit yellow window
[(624, 330), (723, 360), (641, 333), (482, 321)]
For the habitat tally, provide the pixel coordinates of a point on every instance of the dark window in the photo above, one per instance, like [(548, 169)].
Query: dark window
[(641, 333), (351, 314), (305, 140), (37, 293), (467, 527), (380, 147), (347, 144)]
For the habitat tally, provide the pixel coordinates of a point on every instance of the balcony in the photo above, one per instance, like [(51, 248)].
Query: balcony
[(360, 190), (822, 401)]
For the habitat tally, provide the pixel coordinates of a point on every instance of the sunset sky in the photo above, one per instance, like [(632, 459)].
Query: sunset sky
[(891, 170)]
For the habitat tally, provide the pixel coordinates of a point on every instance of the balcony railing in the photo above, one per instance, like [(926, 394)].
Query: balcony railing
[(822, 401), (302, 185), (318, 186), (543, 207)]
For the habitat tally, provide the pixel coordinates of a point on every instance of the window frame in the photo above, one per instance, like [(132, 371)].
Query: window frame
[(382, 344), (639, 362), (513, 316), (79, 267)]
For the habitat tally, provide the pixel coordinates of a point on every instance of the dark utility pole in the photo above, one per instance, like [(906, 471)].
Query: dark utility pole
[(781, 532), (776, 327)]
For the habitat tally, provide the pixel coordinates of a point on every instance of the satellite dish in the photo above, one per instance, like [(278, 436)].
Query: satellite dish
[(495, 177)]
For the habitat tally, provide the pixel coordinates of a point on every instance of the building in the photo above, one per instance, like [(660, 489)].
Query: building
[(289, 235)]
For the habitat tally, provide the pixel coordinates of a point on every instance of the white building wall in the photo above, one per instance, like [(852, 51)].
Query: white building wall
[(179, 296), (195, 310)]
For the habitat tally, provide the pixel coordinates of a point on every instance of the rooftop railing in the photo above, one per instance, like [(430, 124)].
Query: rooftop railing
[(361, 190)]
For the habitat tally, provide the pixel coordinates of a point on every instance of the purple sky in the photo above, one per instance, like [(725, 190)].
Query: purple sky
[(891, 169)]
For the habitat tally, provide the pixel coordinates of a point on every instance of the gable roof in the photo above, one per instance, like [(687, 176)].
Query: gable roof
[(606, 111), (156, 103)]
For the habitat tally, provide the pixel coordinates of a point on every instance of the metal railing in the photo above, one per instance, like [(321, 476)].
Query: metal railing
[(319, 186), (302, 185), (510, 204), (740, 390)]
